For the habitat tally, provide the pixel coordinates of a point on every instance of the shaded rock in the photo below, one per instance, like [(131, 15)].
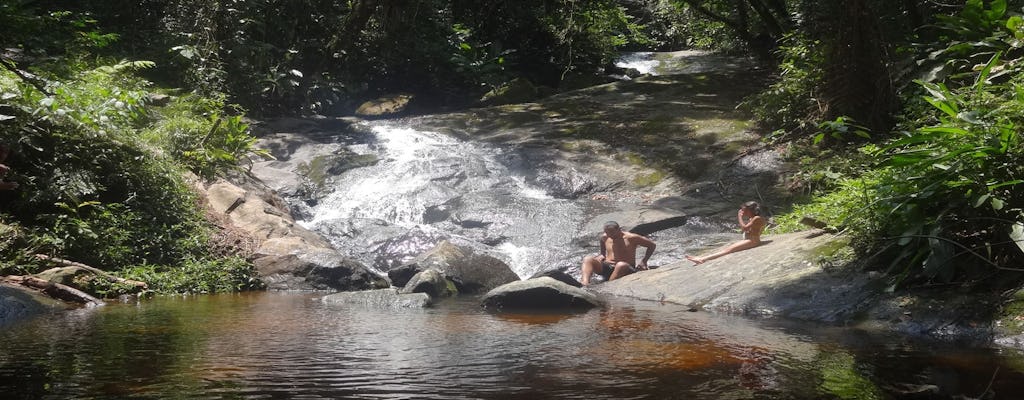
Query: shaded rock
[(643, 221), (401, 275), (317, 271), (471, 272), (560, 276), (431, 282), (381, 298), (576, 80), (385, 106), (18, 303), (539, 293), (518, 90)]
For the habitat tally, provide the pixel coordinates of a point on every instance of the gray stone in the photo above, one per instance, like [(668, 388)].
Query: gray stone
[(380, 298), (540, 293), (472, 272), (326, 270), (18, 303), (401, 275), (560, 276), (431, 282)]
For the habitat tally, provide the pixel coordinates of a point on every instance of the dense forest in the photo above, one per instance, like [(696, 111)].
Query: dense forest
[(906, 116)]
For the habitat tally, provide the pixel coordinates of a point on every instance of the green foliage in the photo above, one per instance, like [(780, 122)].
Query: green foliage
[(840, 129), (690, 29), (790, 106), (941, 201), (198, 276), (88, 189), (850, 206), (482, 62), (95, 190), (194, 133)]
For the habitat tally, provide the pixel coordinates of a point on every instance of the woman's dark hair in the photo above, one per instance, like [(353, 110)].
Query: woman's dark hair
[(753, 206)]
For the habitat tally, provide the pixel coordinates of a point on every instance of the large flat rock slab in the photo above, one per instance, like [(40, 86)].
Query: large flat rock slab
[(778, 278)]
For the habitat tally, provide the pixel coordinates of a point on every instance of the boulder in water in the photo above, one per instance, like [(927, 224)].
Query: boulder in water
[(540, 293), (431, 282), (402, 274), (472, 272), (17, 303), (380, 298), (315, 272)]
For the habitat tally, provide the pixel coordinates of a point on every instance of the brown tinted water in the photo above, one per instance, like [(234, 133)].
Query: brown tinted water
[(290, 345)]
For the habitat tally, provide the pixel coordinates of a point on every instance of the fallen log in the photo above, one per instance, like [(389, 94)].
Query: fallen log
[(55, 290), (68, 263)]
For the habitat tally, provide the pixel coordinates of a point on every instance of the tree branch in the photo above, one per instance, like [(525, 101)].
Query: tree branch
[(11, 66)]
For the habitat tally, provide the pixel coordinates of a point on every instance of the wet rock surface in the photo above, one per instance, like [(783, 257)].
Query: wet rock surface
[(380, 298), (18, 303)]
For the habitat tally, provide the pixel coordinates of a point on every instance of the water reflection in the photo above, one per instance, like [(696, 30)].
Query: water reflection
[(273, 345)]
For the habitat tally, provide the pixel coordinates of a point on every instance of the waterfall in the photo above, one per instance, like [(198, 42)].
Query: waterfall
[(428, 187)]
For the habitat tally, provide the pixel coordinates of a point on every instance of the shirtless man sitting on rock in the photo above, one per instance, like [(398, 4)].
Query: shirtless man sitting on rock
[(618, 254)]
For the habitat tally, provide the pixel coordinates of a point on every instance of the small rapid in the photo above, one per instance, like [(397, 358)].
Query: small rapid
[(428, 187)]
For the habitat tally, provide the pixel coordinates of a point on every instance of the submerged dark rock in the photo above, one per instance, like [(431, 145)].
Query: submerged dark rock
[(380, 298)]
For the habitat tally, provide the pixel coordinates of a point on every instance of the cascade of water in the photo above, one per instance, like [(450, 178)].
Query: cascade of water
[(428, 187)]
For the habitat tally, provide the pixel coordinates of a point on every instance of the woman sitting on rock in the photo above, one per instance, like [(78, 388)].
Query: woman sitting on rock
[(752, 224)]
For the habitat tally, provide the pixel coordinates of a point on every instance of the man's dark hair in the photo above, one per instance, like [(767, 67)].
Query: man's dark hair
[(611, 224)]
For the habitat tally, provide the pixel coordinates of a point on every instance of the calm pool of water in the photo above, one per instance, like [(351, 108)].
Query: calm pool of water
[(290, 345)]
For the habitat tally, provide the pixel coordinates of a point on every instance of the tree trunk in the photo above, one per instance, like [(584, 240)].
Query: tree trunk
[(857, 81)]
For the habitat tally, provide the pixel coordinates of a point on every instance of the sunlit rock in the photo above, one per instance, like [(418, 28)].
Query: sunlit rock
[(540, 293), (385, 106), (471, 271)]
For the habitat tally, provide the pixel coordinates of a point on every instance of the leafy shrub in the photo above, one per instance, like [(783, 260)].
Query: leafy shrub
[(942, 203), (789, 105), (95, 190), (198, 276), (195, 133)]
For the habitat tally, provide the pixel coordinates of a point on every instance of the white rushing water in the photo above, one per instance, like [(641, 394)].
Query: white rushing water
[(482, 200)]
